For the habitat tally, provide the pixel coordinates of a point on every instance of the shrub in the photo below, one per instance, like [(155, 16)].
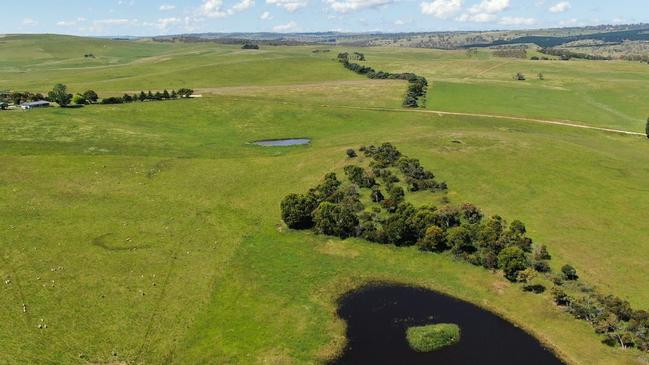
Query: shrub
[(569, 272), (91, 96), (79, 100), (335, 220), (358, 176), (185, 93), (512, 260), (376, 194), (559, 296), (297, 211), (434, 240), (471, 213), (351, 153), (460, 240), (112, 100), (433, 337)]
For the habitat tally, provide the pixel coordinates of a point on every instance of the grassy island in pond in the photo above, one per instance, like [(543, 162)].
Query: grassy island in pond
[(433, 337)]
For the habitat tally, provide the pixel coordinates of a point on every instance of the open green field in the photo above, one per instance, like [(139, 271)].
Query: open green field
[(150, 232)]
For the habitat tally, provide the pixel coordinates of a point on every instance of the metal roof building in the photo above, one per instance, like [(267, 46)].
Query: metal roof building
[(35, 104)]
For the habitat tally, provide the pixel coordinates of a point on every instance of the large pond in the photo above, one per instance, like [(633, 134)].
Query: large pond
[(283, 142), (378, 316)]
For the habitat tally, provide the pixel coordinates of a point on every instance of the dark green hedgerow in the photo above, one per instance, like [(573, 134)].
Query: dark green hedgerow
[(417, 86)]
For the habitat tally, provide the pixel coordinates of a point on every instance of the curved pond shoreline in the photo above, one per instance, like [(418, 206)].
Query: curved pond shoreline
[(379, 314)]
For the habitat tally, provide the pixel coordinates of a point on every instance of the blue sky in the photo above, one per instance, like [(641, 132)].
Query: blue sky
[(152, 17)]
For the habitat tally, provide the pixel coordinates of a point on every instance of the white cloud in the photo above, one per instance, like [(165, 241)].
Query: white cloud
[(285, 27), (489, 7), (212, 9), (167, 7), (485, 11), (241, 6), (560, 7), (29, 22), (477, 18), (266, 16), (346, 6), (441, 8), (289, 5), (165, 22), (508, 20)]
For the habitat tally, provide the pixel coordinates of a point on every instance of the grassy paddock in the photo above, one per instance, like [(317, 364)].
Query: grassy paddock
[(152, 231)]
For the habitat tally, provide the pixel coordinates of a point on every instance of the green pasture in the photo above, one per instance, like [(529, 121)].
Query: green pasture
[(150, 232)]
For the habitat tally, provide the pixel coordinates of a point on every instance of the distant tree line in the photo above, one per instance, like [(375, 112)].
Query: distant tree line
[(17, 98), (371, 204), (250, 46), (417, 87), (149, 96), (565, 54), (60, 95)]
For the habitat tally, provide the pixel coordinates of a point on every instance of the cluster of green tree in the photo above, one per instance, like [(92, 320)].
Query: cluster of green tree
[(321, 51), (511, 53), (18, 98), (149, 96), (334, 208), (565, 54), (610, 316), (89, 55), (250, 46), (417, 84)]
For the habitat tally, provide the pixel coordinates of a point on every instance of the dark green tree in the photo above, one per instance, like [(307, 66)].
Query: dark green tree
[(335, 220), (142, 96), (60, 95), (460, 240), (376, 194), (569, 272), (91, 96), (646, 128), (434, 240), (541, 253), (471, 213), (512, 260), (297, 211), (165, 94)]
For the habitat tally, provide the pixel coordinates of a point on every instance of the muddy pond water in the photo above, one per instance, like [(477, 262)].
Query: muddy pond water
[(378, 316), (283, 142)]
